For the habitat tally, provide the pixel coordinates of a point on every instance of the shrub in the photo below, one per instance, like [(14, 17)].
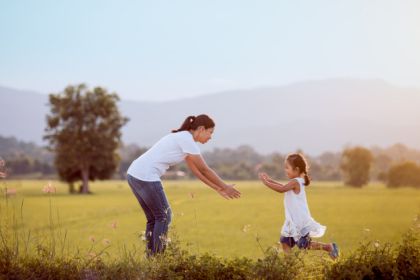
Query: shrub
[(369, 261), (374, 261), (404, 174), (355, 164), (408, 256)]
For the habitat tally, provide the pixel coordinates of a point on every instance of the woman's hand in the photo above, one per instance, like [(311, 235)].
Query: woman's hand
[(200, 169), (229, 192)]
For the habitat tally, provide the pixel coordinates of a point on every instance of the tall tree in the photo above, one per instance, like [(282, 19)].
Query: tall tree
[(84, 131), (355, 164)]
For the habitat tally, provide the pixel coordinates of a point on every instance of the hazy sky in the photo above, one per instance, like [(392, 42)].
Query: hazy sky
[(160, 50)]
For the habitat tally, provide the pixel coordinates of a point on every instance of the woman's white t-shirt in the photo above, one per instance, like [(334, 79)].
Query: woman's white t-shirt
[(169, 150)]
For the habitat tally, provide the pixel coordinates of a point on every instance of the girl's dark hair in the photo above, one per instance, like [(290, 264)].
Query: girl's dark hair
[(299, 161), (193, 122)]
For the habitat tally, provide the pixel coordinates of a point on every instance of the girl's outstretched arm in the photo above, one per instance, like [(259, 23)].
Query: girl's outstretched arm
[(276, 186)]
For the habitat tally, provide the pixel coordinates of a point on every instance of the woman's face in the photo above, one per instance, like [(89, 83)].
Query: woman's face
[(203, 135)]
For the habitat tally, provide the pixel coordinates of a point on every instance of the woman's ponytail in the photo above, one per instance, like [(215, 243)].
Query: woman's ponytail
[(186, 125), (193, 122)]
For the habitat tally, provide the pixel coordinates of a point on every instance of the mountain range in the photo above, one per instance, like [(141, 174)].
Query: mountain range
[(314, 116)]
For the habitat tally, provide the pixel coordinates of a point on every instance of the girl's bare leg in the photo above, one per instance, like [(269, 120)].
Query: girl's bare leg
[(320, 246), (286, 248)]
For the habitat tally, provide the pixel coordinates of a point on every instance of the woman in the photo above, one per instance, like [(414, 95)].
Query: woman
[(144, 174)]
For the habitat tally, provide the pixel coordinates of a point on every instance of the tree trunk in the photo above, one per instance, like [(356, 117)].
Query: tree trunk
[(71, 188), (85, 181)]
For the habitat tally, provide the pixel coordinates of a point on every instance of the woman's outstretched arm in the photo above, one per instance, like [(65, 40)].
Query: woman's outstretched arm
[(207, 175)]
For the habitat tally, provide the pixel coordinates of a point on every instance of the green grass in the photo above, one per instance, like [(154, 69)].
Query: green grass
[(206, 222)]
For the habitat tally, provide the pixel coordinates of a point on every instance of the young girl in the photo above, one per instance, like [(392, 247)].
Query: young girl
[(299, 226)]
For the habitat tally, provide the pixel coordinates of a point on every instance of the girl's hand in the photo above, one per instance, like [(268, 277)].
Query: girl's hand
[(229, 192), (263, 176)]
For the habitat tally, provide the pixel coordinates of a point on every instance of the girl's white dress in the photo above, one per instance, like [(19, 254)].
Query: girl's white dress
[(298, 221)]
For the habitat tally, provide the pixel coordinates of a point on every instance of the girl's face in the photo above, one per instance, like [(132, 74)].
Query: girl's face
[(290, 171), (203, 135)]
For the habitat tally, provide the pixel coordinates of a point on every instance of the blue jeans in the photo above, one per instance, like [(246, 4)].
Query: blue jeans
[(158, 213)]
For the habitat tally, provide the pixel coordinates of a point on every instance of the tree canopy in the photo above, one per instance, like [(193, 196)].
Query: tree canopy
[(84, 131)]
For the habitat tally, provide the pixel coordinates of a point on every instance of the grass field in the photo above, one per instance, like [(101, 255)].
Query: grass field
[(111, 218)]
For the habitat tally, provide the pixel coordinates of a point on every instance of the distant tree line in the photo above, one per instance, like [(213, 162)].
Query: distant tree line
[(396, 166), (23, 158)]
